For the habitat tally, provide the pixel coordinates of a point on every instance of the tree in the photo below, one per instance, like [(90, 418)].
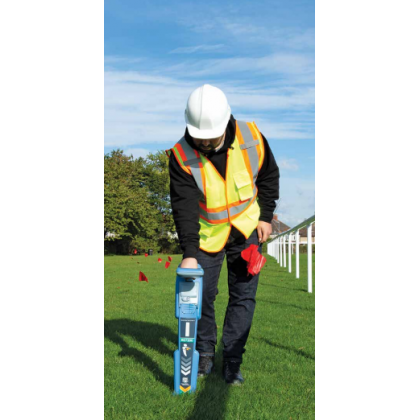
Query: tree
[(137, 210), (128, 213), (156, 180)]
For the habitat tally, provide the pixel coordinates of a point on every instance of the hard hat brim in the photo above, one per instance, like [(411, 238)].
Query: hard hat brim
[(211, 133)]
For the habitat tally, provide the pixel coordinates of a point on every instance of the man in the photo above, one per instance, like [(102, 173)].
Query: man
[(224, 183)]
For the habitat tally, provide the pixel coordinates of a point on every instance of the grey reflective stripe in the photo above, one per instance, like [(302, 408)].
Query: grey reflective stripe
[(233, 211), (241, 207), (252, 151), (214, 216), (192, 161), (250, 144)]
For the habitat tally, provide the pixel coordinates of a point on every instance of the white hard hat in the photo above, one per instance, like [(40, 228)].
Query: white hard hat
[(207, 113)]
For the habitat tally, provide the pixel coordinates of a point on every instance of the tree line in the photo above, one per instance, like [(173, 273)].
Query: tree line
[(137, 208)]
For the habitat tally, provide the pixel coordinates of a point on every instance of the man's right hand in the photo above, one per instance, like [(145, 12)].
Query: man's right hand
[(189, 263)]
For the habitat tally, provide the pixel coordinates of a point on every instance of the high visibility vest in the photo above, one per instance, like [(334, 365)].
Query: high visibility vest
[(231, 201)]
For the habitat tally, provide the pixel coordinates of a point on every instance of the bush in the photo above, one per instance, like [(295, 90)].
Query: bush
[(110, 248), (143, 245), (169, 246)]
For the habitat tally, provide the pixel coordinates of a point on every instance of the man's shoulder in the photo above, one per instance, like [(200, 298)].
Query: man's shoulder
[(179, 155), (180, 142)]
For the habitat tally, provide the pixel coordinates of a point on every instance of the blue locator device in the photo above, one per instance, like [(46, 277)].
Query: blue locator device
[(188, 296)]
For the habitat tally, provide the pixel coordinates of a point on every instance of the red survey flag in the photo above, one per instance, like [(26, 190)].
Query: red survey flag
[(246, 253), (255, 260), (135, 251), (167, 264), (159, 259), (169, 258), (146, 255), (142, 277)]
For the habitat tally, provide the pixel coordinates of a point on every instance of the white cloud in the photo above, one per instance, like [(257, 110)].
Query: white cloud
[(247, 28), (288, 38), (287, 164), (114, 59), (271, 99), (197, 48), (137, 152), (297, 200), (142, 108), (274, 130), (295, 67), (145, 108), (301, 39)]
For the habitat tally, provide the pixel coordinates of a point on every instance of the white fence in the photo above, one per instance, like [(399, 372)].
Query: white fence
[(277, 248)]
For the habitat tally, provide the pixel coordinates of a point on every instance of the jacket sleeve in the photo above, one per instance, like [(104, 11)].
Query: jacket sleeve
[(268, 184), (185, 196)]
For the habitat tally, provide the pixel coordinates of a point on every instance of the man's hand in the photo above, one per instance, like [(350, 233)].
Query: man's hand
[(264, 231), (189, 263)]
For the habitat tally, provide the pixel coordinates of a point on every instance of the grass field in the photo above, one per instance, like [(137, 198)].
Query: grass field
[(141, 336)]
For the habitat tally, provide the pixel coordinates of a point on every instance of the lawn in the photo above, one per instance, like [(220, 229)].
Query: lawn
[(141, 336)]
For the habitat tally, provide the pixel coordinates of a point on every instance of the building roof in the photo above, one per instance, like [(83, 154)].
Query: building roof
[(304, 231), (278, 227)]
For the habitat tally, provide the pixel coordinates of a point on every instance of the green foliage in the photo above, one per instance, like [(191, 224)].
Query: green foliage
[(137, 210), (170, 246), (144, 244), (156, 181)]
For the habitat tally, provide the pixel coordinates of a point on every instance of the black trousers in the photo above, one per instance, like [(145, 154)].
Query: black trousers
[(241, 306)]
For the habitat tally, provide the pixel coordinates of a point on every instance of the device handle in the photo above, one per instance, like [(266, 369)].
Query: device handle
[(190, 273)]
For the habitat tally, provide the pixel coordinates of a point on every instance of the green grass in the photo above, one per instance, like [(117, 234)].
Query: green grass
[(141, 336)]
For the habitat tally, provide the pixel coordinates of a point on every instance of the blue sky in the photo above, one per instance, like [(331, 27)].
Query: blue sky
[(261, 54)]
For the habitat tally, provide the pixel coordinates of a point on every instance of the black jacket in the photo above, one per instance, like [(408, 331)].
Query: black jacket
[(185, 193)]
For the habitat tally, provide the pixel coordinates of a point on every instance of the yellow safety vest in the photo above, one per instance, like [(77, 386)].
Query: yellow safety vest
[(229, 201)]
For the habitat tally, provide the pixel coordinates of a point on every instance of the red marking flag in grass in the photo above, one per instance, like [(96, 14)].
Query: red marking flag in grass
[(169, 258), (135, 251), (146, 255), (167, 264), (142, 277), (159, 259)]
